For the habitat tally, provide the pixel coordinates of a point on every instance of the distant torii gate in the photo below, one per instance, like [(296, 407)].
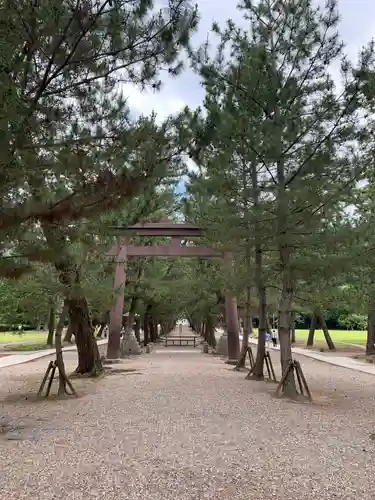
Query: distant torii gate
[(176, 232)]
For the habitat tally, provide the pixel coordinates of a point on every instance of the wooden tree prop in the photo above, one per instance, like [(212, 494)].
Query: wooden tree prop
[(58, 363), (242, 360), (269, 368), (294, 367), (63, 381)]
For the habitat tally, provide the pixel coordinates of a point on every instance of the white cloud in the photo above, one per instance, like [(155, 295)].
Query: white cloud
[(147, 101)]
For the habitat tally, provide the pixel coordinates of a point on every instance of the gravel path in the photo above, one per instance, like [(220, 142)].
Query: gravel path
[(186, 427)]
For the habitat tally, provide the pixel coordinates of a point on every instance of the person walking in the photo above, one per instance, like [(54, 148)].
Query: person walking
[(274, 338), (268, 339)]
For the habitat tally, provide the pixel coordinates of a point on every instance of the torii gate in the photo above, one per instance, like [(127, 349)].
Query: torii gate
[(176, 232)]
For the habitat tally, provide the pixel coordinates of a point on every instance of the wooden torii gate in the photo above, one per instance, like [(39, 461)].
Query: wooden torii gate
[(177, 232)]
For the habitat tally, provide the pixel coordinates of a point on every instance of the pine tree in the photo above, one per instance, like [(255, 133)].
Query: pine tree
[(70, 148), (302, 133)]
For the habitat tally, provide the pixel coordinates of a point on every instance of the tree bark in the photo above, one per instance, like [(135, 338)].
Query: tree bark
[(370, 342), (146, 330), (151, 329), (51, 323), (313, 325), (293, 328), (156, 329), (246, 327), (69, 333), (88, 353), (327, 336), (203, 332), (258, 368), (287, 282), (247, 322), (210, 331), (231, 318), (59, 352)]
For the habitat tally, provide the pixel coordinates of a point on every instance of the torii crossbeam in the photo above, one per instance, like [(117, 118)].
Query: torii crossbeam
[(177, 232)]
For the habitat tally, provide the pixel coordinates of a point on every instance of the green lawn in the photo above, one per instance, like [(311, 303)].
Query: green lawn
[(338, 336), (31, 336)]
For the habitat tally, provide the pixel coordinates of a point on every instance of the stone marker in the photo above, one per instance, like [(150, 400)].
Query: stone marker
[(222, 345), (205, 348), (130, 345)]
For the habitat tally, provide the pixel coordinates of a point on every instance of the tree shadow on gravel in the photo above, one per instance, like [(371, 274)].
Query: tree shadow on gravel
[(27, 392)]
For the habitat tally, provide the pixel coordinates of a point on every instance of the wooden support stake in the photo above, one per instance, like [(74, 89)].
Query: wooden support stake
[(49, 375), (295, 367), (242, 360), (49, 368), (269, 365), (52, 374)]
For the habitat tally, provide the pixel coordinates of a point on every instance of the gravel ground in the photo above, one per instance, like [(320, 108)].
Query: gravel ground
[(185, 426)]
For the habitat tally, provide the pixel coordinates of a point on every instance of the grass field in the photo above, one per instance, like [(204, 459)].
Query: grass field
[(31, 336), (338, 337), (34, 340)]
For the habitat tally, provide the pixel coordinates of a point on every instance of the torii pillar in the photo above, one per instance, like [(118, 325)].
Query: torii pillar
[(115, 315), (231, 320)]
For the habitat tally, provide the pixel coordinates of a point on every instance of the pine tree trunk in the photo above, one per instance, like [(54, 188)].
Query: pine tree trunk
[(293, 328), (69, 333), (231, 318), (246, 328), (137, 328), (287, 283), (370, 342), (313, 325), (258, 368), (59, 352), (88, 353), (247, 322), (284, 337), (327, 336), (210, 332), (156, 330), (146, 332), (205, 331), (151, 329), (245, 333), (51, 324)]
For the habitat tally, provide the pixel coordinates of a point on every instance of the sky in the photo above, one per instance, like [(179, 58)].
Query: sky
[(357, 28)]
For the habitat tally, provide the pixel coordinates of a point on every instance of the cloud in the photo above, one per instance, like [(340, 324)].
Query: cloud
[(145, 102)]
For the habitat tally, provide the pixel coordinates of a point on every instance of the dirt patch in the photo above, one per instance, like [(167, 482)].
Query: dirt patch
[(341, 350), (364, 358), (122, 371)]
